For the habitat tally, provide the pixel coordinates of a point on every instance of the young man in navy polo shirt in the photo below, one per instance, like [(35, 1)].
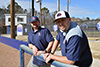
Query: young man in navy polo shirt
[(40, 40), (73, 42)]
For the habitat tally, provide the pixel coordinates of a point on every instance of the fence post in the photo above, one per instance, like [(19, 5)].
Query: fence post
[(21, 57)]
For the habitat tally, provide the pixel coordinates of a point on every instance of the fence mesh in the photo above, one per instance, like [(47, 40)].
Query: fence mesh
[(89, 27)]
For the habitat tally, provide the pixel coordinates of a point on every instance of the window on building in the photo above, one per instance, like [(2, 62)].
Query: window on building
[(19, 19), (9, 19)]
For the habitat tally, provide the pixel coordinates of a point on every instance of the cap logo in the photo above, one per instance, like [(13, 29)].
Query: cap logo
[(33, 18), (59, 14)]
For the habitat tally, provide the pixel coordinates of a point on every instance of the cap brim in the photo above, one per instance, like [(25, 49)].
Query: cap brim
[(59, 18), (33, 20)]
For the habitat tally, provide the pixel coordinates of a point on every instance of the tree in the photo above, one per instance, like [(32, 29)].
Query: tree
[(18, 8), (73, 19), (87, 18), (3, 10), (25, 10), (54, 13), (45, 14)]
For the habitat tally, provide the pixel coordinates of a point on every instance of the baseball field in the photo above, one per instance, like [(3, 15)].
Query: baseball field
[(94, 43)]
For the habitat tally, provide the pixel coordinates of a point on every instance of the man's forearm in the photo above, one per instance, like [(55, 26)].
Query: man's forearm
[(54, 46), (62, 59), (49, 46)]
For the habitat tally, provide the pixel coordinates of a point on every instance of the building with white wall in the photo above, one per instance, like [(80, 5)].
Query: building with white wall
[(19, 18)]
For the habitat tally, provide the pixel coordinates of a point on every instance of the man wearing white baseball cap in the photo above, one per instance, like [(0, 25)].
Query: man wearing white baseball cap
[(73, 42)]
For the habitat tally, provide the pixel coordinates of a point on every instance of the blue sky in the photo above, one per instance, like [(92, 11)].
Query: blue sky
[(77, 8)]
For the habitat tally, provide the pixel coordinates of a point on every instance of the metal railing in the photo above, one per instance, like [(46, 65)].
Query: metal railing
[(24, 48)]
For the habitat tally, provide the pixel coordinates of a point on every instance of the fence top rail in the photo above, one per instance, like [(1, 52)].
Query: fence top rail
[(55, 63)]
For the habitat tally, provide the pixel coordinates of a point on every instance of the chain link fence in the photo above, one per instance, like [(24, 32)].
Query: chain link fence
[(88, 26), (3, 30)]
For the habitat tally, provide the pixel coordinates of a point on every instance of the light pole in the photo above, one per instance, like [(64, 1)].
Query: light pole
[(32, 7), (68, 1), (12, 18), (40, 11), (58, 5)]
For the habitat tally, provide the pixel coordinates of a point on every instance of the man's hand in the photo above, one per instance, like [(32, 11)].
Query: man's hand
[(45, 55), (48, 58), (30, 46), (35, 50), (40, 52)]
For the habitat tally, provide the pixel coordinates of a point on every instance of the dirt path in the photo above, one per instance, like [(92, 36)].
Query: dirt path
[(9, 57)]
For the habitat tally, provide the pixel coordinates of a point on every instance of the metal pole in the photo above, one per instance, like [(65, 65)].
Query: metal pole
[(24, 48), (32, 7), (40, 13), (67, 5), (12, 18), (58, 6), (21, 57)]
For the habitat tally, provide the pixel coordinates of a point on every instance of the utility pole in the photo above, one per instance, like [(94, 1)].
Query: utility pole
[(12, 9), (68, 5), (40, 13), (58, 5), (32, 7)]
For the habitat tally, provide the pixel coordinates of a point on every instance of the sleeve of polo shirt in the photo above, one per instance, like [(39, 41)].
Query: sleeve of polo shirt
[(28, 40), (72, 49), (49, 36)]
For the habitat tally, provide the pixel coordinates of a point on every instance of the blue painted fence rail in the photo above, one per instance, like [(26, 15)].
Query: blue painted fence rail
[(24, 48)]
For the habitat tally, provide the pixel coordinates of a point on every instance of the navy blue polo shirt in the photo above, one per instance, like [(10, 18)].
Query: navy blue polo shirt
[(74, 45), (40, 39)]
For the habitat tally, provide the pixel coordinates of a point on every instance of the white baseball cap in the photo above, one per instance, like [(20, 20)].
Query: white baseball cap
[(60, 15)]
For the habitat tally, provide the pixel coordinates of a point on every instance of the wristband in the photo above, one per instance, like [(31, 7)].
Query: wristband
[(51, 61), (51, 53), (45, 51)]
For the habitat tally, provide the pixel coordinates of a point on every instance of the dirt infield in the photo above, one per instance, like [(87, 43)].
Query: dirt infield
[(95, 48), (10, 57)]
